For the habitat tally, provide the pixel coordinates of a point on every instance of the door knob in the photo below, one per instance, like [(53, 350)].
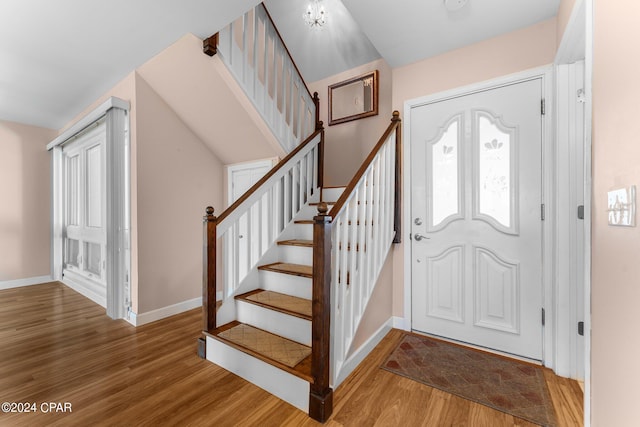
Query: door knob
[(417, 237)]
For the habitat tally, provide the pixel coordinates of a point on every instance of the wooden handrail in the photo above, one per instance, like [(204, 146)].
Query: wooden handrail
[(346, 194), (269, 174)]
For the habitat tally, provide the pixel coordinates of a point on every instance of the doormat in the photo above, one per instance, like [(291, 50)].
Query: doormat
[(510, 386)]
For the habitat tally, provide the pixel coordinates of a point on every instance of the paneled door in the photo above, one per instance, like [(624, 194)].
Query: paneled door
[(241, 177), (84, 229), (476, 195)]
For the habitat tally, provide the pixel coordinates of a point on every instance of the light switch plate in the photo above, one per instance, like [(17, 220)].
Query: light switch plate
[(621, 206)]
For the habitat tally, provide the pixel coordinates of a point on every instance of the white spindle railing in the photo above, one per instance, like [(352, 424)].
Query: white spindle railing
[(251, 226), (362, 234), (255, 54)]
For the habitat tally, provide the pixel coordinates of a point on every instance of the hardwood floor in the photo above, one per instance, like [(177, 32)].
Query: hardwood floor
[(57, 346)]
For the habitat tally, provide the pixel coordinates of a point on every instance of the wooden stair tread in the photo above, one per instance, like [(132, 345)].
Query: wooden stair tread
[(287, 268), (303, 221), (317, 203), (290, 356), (296, 242), (283, 303)]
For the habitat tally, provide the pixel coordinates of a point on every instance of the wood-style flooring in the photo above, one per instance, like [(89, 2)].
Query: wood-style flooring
[(57, 346)]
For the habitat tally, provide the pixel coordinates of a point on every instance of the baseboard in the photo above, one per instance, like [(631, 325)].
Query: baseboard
[(401, 323), (160, 313), (29, 281), (358, 356), (87, 290)]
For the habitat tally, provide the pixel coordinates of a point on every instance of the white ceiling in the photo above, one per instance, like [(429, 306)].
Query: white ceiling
[(57, 57), (408, 30)]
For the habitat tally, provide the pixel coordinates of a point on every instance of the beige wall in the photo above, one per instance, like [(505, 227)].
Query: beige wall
[(348, 144), (205, 96), (517, 51), (25, 200), (615, 250), (379, 308), (178, 177), (564, 13)]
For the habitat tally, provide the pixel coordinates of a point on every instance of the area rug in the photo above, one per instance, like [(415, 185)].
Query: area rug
[(507, 385)]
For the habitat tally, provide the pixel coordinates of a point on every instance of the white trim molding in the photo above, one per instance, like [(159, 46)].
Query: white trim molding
[(88, 120), (160, 313), (29, 281), (357, 356), (544, 73)]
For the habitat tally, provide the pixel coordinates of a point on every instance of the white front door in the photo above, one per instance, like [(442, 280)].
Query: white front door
[(84, 224), (476, 195)]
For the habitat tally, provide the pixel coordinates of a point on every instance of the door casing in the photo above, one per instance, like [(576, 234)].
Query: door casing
[(118, 201), (545, 74)]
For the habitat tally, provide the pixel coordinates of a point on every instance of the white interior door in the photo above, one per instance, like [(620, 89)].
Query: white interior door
[(242, 177), (476, 195), (84, 224)]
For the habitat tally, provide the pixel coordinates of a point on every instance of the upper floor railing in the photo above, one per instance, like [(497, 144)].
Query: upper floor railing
[(252, 49)]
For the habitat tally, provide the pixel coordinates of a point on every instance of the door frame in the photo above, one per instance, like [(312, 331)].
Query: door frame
[(115, 112), (251, 164), (548, 225)]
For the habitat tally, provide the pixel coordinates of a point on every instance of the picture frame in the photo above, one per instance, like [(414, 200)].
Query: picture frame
[(353, 99)]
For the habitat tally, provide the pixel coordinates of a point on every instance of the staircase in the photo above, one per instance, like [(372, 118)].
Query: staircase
[(296, 263), (269, 343)]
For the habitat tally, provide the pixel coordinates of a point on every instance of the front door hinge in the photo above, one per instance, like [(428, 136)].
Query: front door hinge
[(581, 329), (542, 211), (542, 107), (543, 317), (581, 212)]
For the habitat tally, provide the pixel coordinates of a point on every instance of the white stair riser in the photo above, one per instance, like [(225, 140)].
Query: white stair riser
[(332, 194), (280, 383), (289, 284), (296, 254), (304, 231), (285, 325)]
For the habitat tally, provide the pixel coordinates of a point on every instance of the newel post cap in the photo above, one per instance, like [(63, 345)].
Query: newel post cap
[(209, 214)]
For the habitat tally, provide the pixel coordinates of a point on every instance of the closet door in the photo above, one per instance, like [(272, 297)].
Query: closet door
[(85, 214)]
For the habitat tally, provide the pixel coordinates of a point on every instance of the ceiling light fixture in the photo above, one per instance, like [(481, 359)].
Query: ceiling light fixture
[(454, 5), (315, 16)]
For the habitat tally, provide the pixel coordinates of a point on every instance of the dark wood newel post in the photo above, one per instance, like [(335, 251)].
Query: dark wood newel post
[(316, 101), (208, 277), (397, 220), (210, 45), (321, 395)]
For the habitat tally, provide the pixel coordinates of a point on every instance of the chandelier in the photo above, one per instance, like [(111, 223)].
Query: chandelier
[(315, 16)]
